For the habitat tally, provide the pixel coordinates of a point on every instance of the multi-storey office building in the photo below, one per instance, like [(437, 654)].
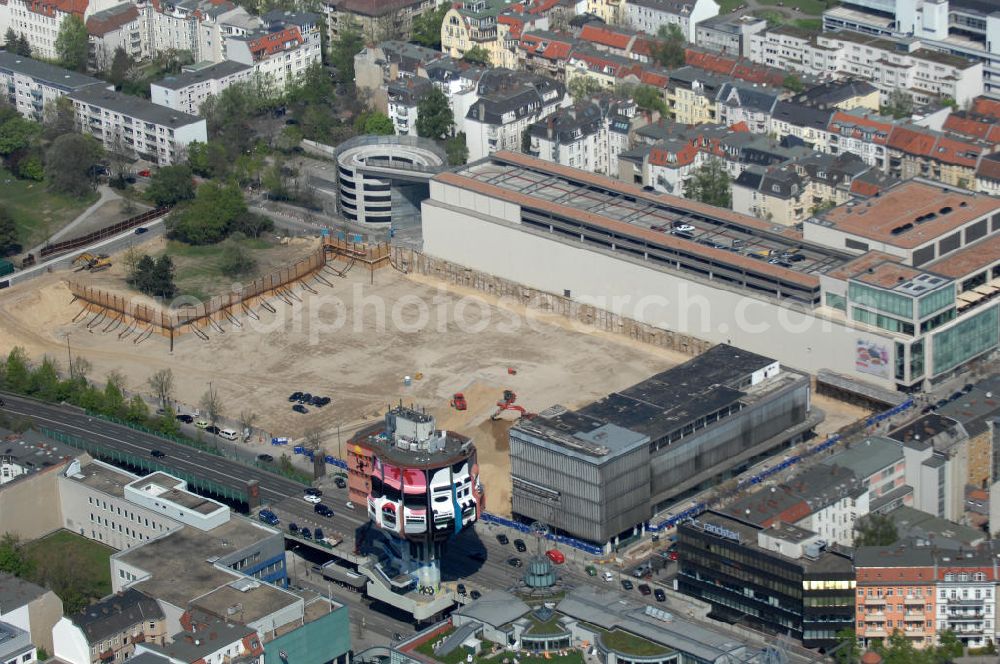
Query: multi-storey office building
[(603, 470), (782, 579)]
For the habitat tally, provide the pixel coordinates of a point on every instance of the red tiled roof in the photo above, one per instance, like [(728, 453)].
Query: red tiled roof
[(960, 153), (911, 141), (100, 27), (989, 169), (643, 46), (684, 157), (274, 42), (981, 127), (542, 6), (600, 35), (735, 67), (554, 49), (988, 107), (50, 7), (863, 188)]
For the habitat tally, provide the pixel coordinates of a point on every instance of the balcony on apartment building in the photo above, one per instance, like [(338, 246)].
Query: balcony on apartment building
[(875, 632)]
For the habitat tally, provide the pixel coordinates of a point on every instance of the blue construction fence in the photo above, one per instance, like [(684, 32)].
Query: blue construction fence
[(311, 454), (697, 509), (560, 539)]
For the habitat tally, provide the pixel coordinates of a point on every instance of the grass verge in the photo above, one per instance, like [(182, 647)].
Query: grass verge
[(37, 212), (77, 569)]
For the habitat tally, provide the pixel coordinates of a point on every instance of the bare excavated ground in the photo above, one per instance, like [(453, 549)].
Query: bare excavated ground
[(355, 342)]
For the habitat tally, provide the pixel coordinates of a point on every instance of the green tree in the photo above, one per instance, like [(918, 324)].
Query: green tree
[(875, 530), (23, 47), (376, 123), (477, 55), (17, 370), (10, 241), (121, 68), (899, 104), (649, 98), (668, 51), (10, 39), (848, 651), (167, 423), (114, 400), (709, 183), (30, 166), (211, 216), (17, 134), (457, 149), (949, 647), (348, 43), (312, 87), (583, 87), (236, 261), (434, 116), (170, 185), (209, 160), (12, 557), (137, 411), (899, 650), (793, 83), (68, 163), (59, 119), (44, 381), (73, 43), (427, 27), (163, 278), (141, 278)]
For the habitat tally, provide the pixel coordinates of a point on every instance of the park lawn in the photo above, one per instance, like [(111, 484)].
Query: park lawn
[(198, 268), (629, 644), (814, 7), (89, 560), (37, 212)]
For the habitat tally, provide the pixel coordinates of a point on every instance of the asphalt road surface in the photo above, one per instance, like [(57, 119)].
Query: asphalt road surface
[(72, 421)]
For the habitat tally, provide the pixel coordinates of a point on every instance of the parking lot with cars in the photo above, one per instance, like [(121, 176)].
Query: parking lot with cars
[(303, 400)]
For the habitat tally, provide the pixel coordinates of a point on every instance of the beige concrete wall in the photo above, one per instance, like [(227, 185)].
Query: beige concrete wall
[(29, 506), (44, 613)]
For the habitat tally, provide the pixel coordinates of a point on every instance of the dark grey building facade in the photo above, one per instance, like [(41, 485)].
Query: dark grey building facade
[(602, 471)]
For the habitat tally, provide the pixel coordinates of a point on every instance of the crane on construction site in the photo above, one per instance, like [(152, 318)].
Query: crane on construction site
[(509, 397)]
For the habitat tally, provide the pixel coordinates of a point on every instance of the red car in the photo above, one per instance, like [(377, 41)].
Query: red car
[(458, 401), (556, 556), (144, 173)]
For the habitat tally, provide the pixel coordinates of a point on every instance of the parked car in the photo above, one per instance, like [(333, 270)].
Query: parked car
[(299, 408), (157, 454), (503, 539), (293, 528), (266, 458), (186, 419), (608, 577), (318, 535), (141, 230), (309, 498), (268, 517), (591, 570), (212, 429), (323, 401), (323, 510), (313, 491), (461, 589), (660, 595), (673, 555), (200, 423), (475, 594), (514, 562), (340, 482), (305, 398), (627, 585), (295, 396), (144, 173), (306, 533), (681, 226), (645, 589), (556, 556), (520, 546)]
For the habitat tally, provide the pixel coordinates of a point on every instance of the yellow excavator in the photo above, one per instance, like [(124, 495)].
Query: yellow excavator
[(91, 262)]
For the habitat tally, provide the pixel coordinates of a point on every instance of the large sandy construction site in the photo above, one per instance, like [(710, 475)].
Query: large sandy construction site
[(355, 343)]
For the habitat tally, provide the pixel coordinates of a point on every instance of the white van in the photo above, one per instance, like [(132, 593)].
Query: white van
[(608, 577), (228, 434)]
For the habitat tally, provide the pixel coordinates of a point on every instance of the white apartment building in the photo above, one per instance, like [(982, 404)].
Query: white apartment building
[(588, 135), (138, 127), (648, 15), (187, 91), (509, 102), (40, 21), (123, 26), (282, 52), (30, 85), (926, 74), (967, 28)]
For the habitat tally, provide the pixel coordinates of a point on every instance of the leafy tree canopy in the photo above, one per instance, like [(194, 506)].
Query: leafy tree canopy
[(73, 43), (171, 185), (434, 116), (710, 184)]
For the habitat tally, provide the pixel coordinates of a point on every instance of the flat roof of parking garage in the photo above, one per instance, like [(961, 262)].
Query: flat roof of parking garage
[(627, 210)]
